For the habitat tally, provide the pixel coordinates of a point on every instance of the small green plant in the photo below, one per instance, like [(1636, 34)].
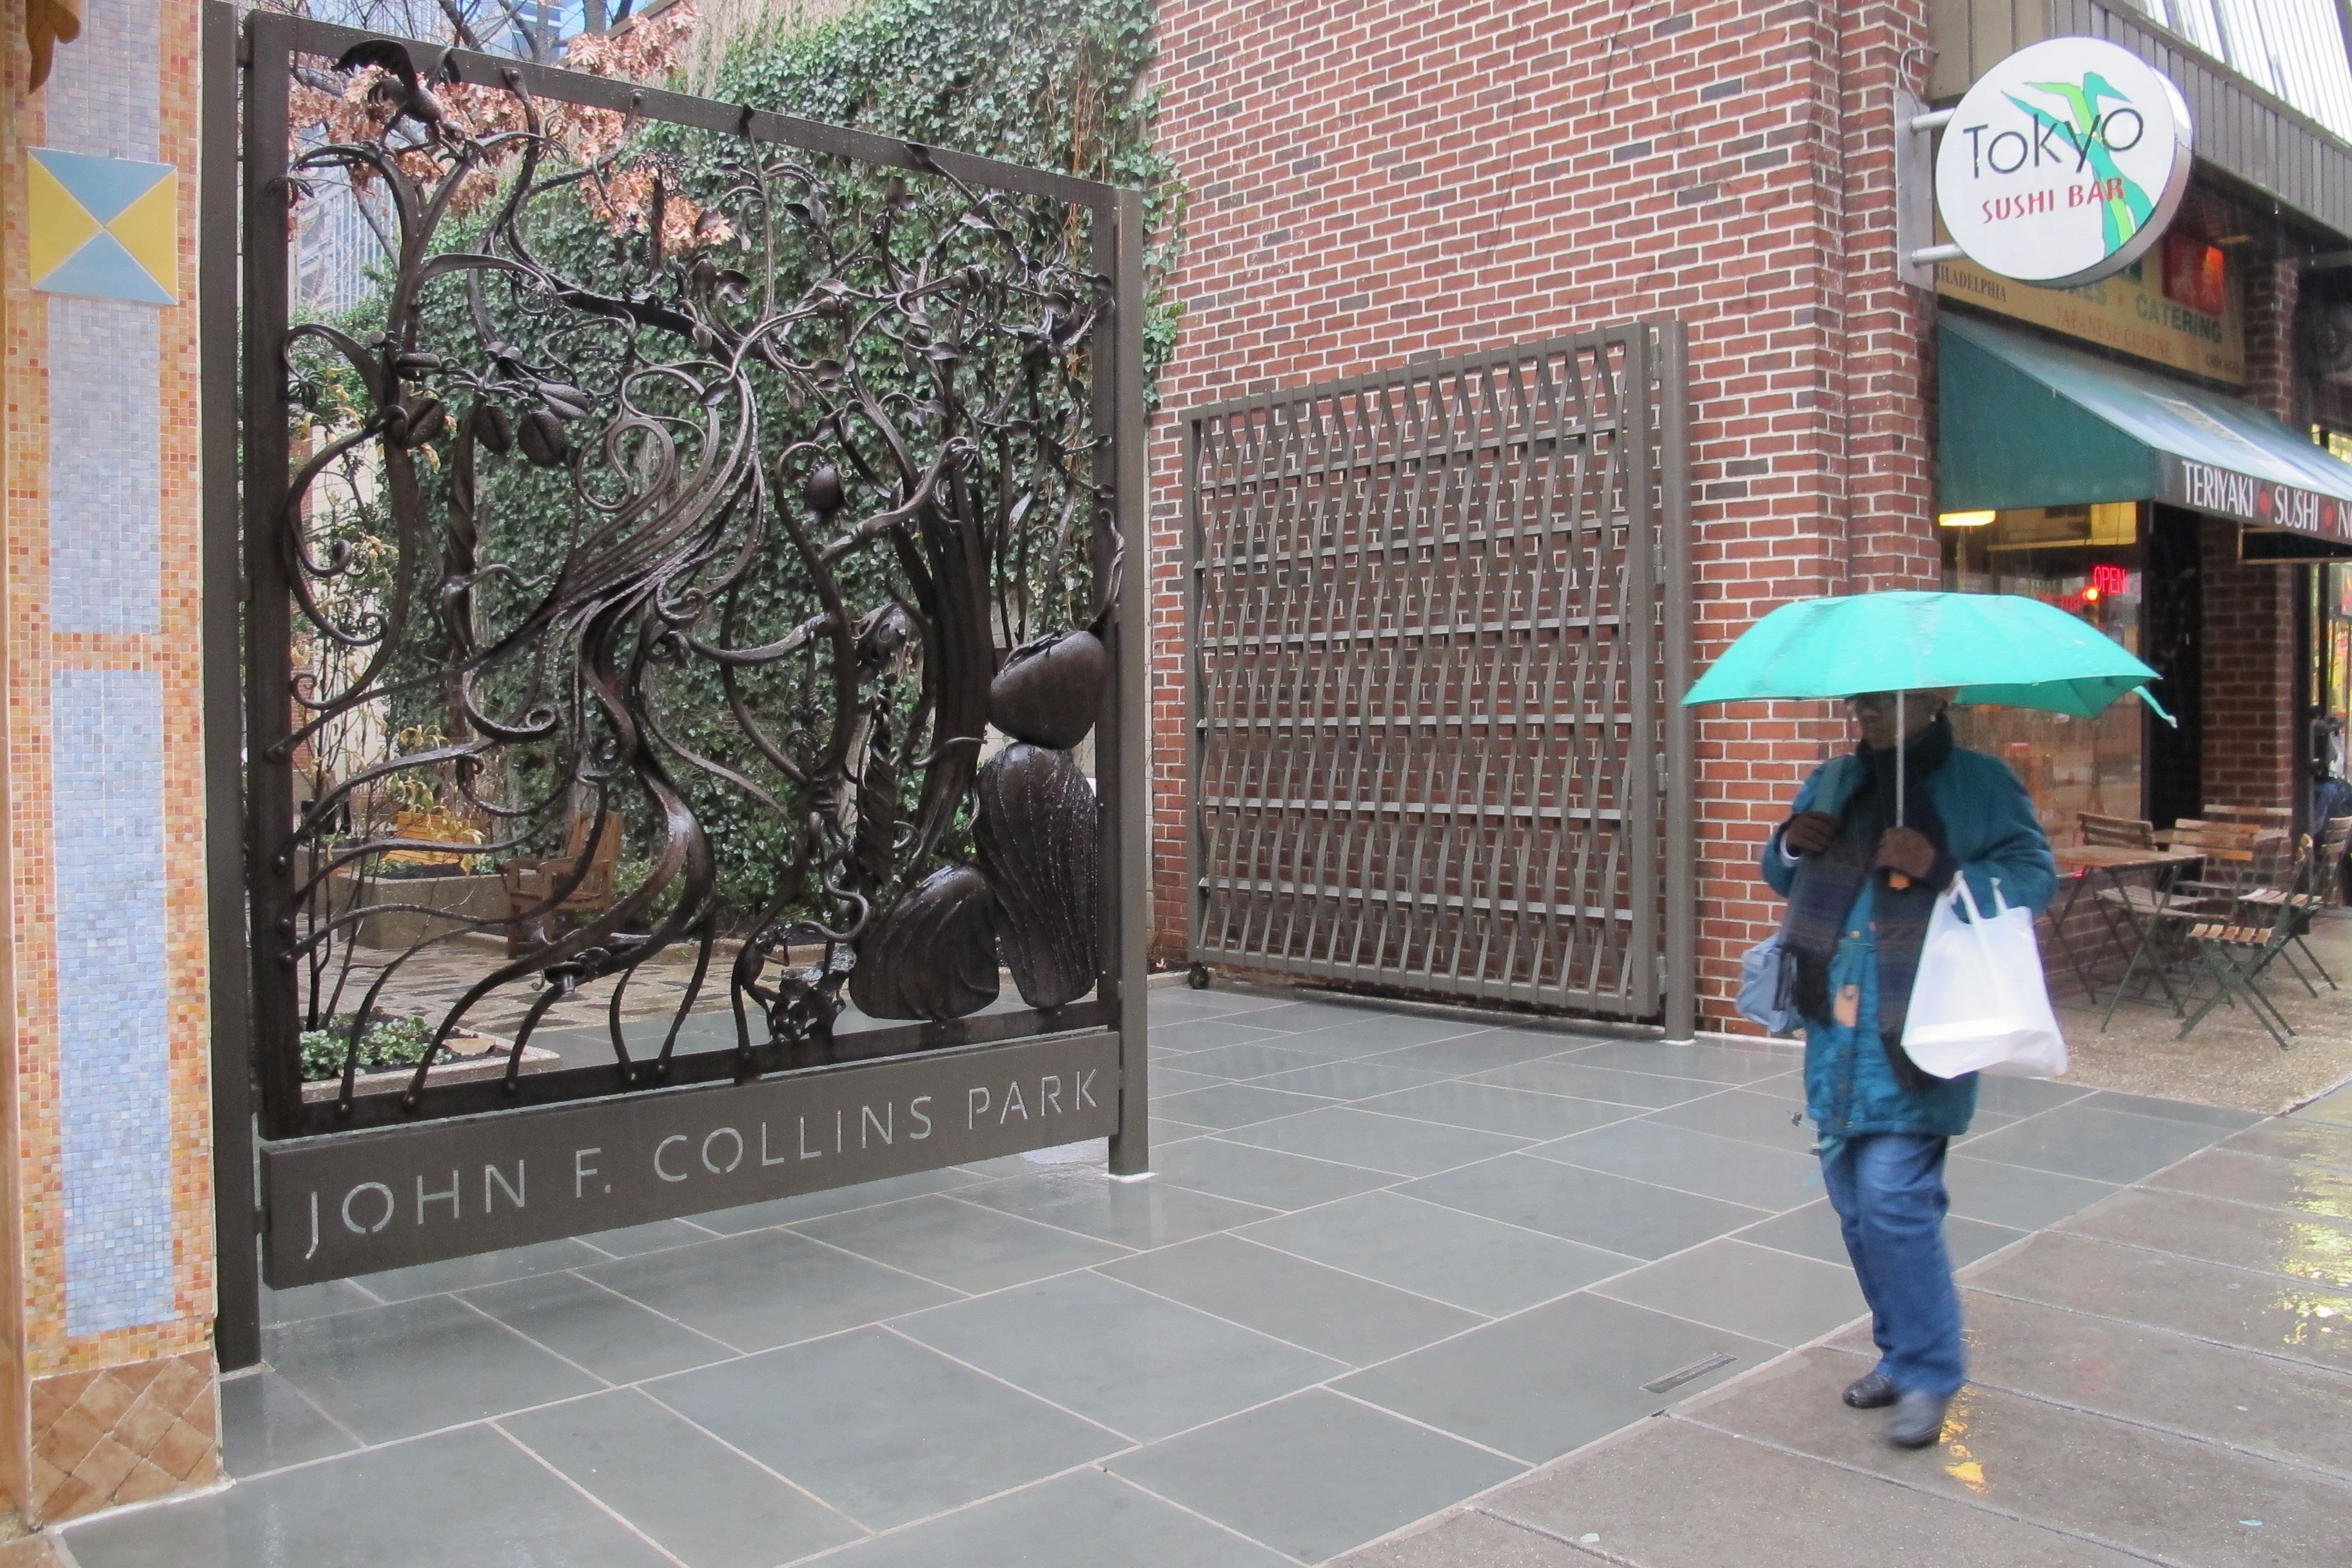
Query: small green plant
[(388, 1043)]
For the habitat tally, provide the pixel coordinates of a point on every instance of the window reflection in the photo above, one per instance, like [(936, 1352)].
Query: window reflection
[(2088, 561)]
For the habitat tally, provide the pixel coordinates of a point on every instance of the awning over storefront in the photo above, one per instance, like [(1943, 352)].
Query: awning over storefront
[(2028, 424)]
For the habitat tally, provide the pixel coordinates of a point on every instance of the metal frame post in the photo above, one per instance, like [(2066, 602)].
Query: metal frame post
[(1120, 222), (236, 1329), (267, 451), (1637, 431), (1680, 824)]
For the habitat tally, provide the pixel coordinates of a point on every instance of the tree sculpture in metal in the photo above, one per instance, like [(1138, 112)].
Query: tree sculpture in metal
[(707, 471)]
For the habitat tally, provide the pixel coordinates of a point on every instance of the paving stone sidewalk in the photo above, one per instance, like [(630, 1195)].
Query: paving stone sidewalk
[(2164, 1377), (1389, 1264)]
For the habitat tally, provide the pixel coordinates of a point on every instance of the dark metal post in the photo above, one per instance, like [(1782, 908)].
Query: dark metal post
[(1637, 431), (1681, 826), (1196, 857), (267, 451), (1129, 775), (236, 1329)]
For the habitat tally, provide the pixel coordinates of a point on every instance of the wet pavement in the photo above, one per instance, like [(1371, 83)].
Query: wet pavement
[(2163, 1378), (1389, 1264)]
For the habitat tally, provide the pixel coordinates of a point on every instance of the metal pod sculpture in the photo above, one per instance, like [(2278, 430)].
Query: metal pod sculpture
[(1050, 689), (1039, 841), (933, 955)]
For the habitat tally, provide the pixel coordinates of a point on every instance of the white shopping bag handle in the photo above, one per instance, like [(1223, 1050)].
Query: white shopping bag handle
[(1977, 925)]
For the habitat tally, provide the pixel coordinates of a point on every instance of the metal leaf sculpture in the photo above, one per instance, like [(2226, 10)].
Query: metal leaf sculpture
[(1040, 848), (933, 953), (701, 481)]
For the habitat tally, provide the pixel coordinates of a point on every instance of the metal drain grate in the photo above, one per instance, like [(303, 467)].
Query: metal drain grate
[(1696, 1369)]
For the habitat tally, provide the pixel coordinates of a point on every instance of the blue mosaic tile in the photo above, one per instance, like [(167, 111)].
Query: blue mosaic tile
[(105, 467), (102, 97), (113, 1017)]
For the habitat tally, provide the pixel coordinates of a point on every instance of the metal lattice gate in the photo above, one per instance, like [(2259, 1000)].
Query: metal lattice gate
[(1440, 626)]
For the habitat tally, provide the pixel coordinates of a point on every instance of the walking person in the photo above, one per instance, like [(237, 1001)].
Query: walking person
[(2331, 794), (1861, 885)]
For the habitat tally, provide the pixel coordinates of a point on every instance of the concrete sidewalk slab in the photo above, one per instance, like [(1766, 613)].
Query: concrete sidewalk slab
[(2102, 1480), (1655, 1497), (2133, 1401), (1263, 1353)]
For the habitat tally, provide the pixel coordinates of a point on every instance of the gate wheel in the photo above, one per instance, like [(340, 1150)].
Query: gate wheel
[(1199, 977)]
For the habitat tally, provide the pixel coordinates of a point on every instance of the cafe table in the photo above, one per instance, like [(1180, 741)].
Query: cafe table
[(2142, 909)]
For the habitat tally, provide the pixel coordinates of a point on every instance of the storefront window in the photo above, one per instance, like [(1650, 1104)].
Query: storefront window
[(2088, 561), (2334, 693)]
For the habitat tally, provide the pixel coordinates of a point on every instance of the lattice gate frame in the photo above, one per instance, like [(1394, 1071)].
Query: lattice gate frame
[(1440, 631)]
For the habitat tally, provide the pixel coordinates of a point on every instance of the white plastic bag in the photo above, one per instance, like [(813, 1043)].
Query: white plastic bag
[(1979, 1002)]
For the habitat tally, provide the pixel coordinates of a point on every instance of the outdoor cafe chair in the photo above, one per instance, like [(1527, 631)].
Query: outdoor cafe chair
[(2237, 949), (2276, 818), (2115, 832), (2231, 852), (2122, 833), (2305, 897), (2135, 912)]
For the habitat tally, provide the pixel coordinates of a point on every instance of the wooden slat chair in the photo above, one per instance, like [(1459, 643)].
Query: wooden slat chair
[(2276, 818), (531, 883), (2305, 897), (2229, 850), (2236, 948), (2115, 832), (2117, 901)]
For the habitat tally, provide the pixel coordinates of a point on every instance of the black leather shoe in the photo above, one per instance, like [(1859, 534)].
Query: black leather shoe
[(1917, 1420), (1871, 1392)]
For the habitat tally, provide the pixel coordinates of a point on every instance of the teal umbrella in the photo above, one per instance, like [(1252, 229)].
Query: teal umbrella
[(1995, 647)]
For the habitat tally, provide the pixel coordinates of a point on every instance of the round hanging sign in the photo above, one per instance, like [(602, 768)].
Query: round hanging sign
[(2063, 163)]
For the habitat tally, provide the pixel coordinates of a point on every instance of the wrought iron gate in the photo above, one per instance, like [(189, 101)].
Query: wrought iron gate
[(1440, 629), (679, 603)]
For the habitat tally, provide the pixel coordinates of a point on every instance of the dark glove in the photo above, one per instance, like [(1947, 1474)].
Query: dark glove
[(1810, 833), (1907, 850)]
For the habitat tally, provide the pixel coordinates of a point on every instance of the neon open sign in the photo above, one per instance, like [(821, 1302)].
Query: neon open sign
[(2106, 580)]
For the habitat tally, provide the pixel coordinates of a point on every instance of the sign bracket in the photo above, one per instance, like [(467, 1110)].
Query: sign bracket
[(1916, 250)]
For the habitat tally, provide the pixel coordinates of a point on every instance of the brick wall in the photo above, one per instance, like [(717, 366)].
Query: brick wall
[(2273, 286), (2250, 751), (1376, 181)]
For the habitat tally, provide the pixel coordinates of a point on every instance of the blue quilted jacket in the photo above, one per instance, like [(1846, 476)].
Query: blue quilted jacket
[(1990, 829)]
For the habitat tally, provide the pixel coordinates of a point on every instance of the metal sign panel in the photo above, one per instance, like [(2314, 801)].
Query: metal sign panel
[(357, 1202), (1434, 611)]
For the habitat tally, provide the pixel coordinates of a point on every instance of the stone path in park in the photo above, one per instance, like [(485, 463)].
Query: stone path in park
[(1391, 1264)]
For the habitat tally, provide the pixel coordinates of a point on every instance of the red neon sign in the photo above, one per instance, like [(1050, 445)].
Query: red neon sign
[(2104, 580)]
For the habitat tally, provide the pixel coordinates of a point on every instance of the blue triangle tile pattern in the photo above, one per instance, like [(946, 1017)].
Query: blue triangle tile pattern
[(102, 185), (103, 269)]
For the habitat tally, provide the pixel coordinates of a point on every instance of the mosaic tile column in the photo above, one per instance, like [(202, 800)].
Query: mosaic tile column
[(110, 1394)]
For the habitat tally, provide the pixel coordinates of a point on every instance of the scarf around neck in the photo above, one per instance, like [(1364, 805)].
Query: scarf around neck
[(1822, 896)]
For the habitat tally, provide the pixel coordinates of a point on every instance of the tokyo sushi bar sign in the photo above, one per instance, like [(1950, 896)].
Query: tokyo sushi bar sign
[(2063, 163)]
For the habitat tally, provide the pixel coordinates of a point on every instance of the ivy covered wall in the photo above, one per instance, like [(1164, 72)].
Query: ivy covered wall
[(1056, 84)]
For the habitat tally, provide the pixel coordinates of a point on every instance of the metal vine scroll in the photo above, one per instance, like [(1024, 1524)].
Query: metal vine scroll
[(679, 632)]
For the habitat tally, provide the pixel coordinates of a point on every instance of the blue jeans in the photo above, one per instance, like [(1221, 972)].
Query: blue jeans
[(1888, 1191)]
